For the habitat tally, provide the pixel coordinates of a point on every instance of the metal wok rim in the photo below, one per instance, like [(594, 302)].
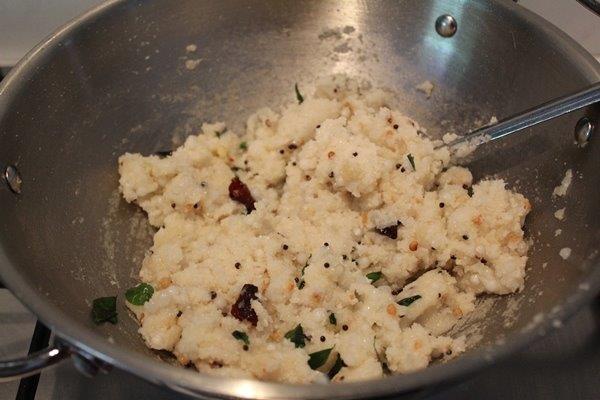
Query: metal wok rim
[(190, 382)]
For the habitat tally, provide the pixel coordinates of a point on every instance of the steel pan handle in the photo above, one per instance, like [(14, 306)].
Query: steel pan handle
[(592, 5), (33, 363), (547, 111)]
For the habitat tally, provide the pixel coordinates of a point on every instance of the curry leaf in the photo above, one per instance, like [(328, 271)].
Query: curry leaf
[(300, 283), (412, 161), (104, 309), (297, 336), (243, 336), (374, 276), (409, 300), (139, 294), (339, 363), (298, 95), (332, 319), (319, 358)]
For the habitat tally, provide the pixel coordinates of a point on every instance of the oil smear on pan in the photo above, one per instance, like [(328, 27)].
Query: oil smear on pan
[(125, 237)]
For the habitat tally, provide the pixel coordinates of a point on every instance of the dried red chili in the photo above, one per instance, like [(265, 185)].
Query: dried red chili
[(389, 231), (242, 308), (238, 191)]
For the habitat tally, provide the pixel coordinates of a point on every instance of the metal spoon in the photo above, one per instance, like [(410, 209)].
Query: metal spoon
[(552, 109)]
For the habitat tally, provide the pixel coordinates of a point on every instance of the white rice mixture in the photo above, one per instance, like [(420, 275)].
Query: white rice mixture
[(337, 198)]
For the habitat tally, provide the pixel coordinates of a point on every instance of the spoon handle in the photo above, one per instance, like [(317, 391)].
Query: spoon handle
[(547, 111)]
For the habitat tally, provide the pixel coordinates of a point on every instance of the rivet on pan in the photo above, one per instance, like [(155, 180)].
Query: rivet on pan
[(13, 179), (446, 25), (583, 131)]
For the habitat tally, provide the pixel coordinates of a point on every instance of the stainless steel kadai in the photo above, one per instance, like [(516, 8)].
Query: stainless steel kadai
[(115, 80)]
